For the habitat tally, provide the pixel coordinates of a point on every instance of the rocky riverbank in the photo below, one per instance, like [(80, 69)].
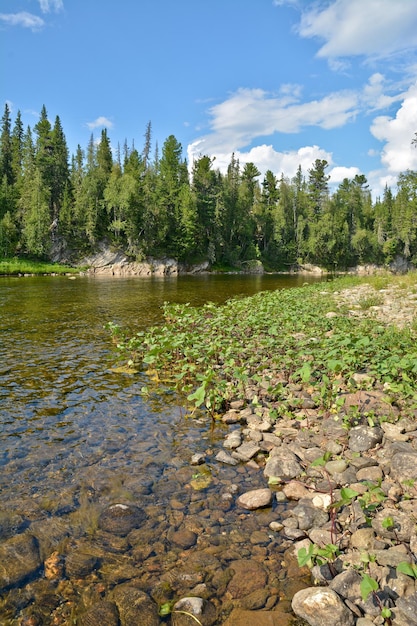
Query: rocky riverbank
[(352, 473), (298, 507)]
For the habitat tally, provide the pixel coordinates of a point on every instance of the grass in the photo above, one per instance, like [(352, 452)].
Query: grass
[(16, 267)]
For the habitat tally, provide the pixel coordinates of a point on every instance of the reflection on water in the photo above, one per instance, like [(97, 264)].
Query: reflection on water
[(71, 425)]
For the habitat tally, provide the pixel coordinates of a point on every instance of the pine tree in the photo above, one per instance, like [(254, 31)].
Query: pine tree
[(148, 145), (60, 172), (318, 187), (205, 190), (17, 147), (6, 154)]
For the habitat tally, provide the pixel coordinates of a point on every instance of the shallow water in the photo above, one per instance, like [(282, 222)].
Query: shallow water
[(77, 435)]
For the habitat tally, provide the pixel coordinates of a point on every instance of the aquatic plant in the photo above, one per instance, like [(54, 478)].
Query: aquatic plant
[(212, 354)]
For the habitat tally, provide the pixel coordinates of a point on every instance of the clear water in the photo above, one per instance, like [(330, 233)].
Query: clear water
[(70, 422)]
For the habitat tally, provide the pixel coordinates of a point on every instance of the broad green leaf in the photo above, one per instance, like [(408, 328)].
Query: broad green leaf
[(368, 585), (407, 568), (198, 396)]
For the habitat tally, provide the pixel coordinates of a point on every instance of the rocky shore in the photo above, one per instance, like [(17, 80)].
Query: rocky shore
[(353, 476), (290, 514)]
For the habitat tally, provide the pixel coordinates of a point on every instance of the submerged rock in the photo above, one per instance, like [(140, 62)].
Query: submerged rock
[(120, 519), (101, 614), (19, 559), (188, 610), (135, 607)]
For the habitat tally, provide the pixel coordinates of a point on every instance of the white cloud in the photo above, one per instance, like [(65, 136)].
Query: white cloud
[(251, 113), (357, 27), (339, 173), (265, 157), (375, 96), (27, 20), (397, 132), (100, 122), (51, 5)]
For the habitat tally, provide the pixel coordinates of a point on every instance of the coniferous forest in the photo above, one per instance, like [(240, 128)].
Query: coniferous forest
[(146, 202)]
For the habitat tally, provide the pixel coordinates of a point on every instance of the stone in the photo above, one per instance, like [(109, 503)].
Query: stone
[(322, 501), (308, 515), (246, 451), (362, 438), (79, 564), (404, 524), (232, 440), (336, 467), (120, 519), (391, 557), (135, 606), (255, 600), (347, 584), (321, 536), (404, 466), (249, 576), (19, 559), (394, 432), (321, 606), (231, 417), (101, 614), (255, 499), (373, 473), (294, 490), (406, 608), (242, 617), (197, 459), (188, 610), (363, 539), (184, 538), (225, 458), (282, 464)]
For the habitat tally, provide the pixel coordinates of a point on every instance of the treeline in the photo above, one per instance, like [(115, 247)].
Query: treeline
[(149, 204)]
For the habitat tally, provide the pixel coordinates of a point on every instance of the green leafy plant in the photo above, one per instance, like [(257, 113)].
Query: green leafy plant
[(314, 555), (410, 569)]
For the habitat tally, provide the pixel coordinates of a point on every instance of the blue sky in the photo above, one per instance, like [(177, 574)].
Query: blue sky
[(278, 82)]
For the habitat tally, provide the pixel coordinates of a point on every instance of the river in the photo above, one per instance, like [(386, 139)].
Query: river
[(77, 435)]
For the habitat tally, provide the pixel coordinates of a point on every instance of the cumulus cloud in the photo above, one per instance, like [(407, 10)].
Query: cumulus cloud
[(24, 19), (100, 122), (339, 173), (48, 6), (251, 113), (266, 158), (354, 27), (375, 94), (397, 132)]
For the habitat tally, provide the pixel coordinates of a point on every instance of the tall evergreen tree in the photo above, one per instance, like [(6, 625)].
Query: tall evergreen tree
[(60, 172), (17, 147), (148, 145), (318, 187), (173, 174), (6, 154), (205, 189)]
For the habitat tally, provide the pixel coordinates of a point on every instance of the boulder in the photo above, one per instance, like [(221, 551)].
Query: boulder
[(321, 606)]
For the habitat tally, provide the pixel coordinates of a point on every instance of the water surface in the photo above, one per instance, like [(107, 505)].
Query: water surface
[(72, 424)]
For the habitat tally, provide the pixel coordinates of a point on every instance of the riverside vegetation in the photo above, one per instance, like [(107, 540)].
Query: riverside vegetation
[(322, 380), (147, 204)]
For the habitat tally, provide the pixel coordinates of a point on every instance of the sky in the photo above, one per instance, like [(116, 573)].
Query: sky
[(279, 83)]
